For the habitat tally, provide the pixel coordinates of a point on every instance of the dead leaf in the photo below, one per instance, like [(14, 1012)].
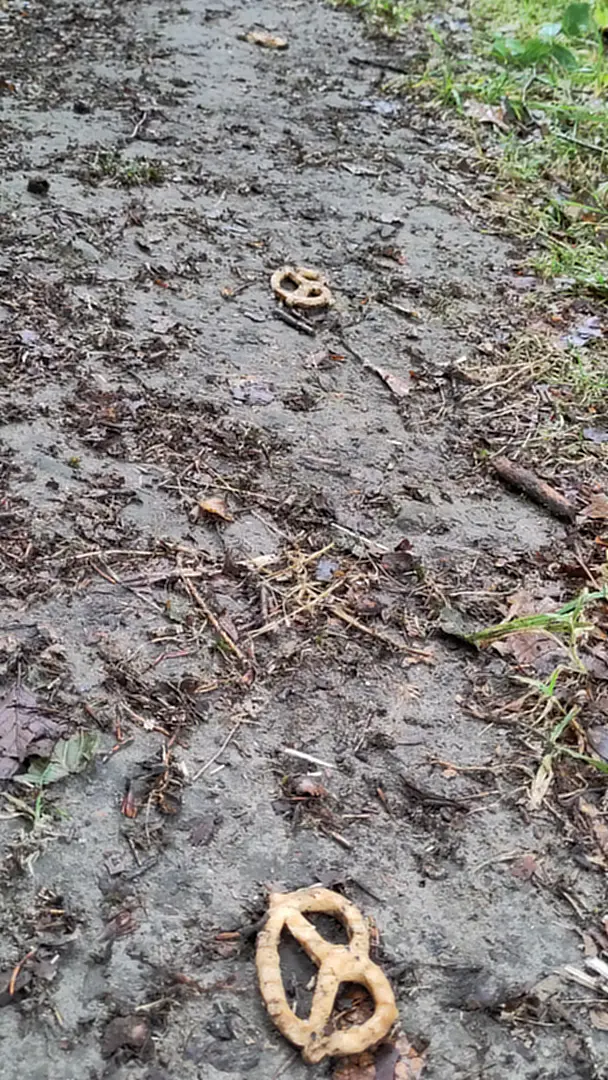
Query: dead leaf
[(597, 508), (359, 1067), (599, 1019), (249, 392), (598, 741), (132, 1032), (400, 387), (401, 560), (24, 730), (487, 114), (595, 435), (525, 868), (541, 783), (583, 333), (266, 40), (307, 787), (202, 830), (215, 507), (599, 827), (391, 1061)]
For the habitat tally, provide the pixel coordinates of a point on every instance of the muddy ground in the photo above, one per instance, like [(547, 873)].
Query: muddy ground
[(144, 369)]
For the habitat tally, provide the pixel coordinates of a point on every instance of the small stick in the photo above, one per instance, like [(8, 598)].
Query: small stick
[(285, 1066), (16, 971), (341, 840), (350, 619), (295, 322), (536, 489), (213, 619), (208, 764), (306, 757)]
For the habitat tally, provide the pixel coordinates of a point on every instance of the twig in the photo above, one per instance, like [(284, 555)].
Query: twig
[(296, 323), (341, 840), (385, 65), (536, 489), (285, 1066), (213, 619), (143, 120), (581, 142), (208, 764), (17, 970), (107, 575), (306, 757), (336, 609)]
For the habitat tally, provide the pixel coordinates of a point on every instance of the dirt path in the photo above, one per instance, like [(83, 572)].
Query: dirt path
[(143, 368)]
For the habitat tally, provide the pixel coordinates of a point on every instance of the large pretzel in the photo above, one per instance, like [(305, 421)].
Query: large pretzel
[(309, 287), (337, 964)]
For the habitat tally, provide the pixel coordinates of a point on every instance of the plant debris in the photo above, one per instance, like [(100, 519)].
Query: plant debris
[(25, 729)]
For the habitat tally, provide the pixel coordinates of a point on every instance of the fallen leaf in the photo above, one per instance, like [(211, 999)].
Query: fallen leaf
[(202, 830), (598, 741), (122, 924), (541, 782), (132, 1032), (525, 868), (307, 786), (400, 387), (68, 756), (599, 1019), (412, 1061), (266, 40), (391, 1061), (358, 1067), (598, 826), (215, 507), (401, 560), (24, 730), (583, 333), (487, 114), (597, 508), (252, 393), (595, 435)]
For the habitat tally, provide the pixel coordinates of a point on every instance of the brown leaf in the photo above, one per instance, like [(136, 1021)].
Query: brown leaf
[(541, 782), (307, 786), (598, 741), (487, 114), (597, 508), (125, 1031), (391, 1061), (525, 868), (266, 40), (360, 1067), (202, 830), (215, 507), (599, 1019), (400, 387), (411, 1063), (24, 730)]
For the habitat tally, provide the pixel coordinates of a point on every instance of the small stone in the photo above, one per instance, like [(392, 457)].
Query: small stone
[(38, 185), (81, 108)]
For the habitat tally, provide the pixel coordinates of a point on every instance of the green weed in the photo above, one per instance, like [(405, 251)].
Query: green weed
[(389, 16), (132, 172)]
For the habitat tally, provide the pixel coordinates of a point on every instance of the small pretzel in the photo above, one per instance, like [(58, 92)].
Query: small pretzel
[(337, 964), (310, 287)]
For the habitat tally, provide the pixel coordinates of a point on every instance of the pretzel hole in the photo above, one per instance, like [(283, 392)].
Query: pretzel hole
[(289, 284), (354, 1005), (298, 972)]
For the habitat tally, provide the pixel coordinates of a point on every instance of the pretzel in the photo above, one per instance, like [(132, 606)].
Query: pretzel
[(310, 290), (337, 964)]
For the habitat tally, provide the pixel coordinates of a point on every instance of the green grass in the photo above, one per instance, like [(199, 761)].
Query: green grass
[(388, 16), (125, 172), (543, 68)]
